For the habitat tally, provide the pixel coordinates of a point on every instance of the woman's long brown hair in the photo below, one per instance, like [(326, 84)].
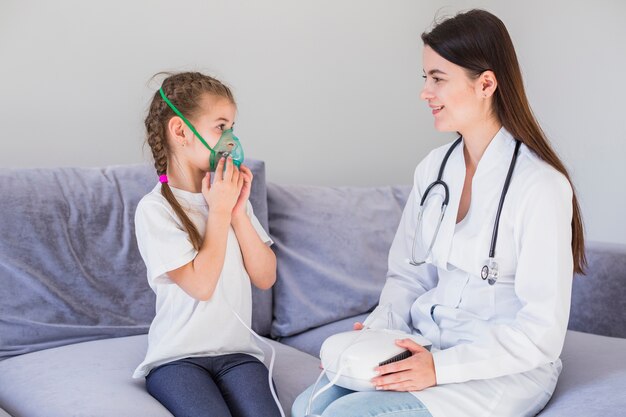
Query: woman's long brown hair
[(478, 41)]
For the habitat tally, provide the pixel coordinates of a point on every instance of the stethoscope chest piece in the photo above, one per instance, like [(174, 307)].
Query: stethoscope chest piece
[(490, 272)]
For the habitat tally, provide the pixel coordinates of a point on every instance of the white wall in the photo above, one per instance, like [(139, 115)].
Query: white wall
[(324, 87)]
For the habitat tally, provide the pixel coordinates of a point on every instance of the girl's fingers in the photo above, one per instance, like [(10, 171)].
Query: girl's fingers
[(206, 181), (228, 174), (235, 173), (219, 170), (241, 180), (246, 171)]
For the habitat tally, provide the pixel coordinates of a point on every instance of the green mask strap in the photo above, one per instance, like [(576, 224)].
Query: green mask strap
[(179, 114)]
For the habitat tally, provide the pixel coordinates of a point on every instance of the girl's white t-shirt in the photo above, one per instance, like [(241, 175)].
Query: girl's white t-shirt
[(183, 326)]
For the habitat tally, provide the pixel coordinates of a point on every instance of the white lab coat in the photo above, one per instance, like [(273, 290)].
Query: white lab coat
[(496, 348)]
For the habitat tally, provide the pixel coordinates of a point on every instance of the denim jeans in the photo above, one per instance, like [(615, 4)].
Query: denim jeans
[(233, 385), (342, 402)]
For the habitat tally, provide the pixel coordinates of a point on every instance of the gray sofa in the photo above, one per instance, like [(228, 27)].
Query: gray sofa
[(75, 306)]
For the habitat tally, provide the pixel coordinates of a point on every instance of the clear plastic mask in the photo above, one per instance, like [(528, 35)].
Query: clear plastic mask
[(228, 145)]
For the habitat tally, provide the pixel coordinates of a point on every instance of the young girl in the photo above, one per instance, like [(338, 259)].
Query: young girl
[(482, 262), (202, 246)]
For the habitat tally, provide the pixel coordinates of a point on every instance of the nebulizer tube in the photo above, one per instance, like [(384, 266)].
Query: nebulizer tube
[(324, 388), (273, 357)]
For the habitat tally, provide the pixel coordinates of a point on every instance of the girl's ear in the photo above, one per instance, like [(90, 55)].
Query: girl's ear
[(176, 128), (487, 84)]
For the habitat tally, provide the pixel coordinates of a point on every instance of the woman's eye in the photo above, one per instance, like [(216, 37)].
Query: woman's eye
[(435, 79)]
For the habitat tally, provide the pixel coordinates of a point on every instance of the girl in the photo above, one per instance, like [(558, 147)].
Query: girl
[(202, 246), (487, 281)]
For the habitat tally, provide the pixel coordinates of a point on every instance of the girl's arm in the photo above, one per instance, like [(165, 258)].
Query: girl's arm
[(199, 277), (258, 258)]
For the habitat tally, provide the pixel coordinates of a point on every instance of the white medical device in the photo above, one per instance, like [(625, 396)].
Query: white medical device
[(349, 358)]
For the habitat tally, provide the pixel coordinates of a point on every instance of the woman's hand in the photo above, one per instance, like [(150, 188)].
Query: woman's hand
[(245, 176), (412, 374), (222, 195)]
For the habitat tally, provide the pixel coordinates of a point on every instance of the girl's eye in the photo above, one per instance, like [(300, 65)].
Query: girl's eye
[(221, 127)]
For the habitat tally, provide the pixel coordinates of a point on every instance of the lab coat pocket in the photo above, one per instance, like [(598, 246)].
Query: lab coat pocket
[(479, 298), (485, 295), (505, 298)]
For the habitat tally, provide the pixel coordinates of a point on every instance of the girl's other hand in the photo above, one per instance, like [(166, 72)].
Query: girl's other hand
[(245, 177), (222, 195), (358, 326)]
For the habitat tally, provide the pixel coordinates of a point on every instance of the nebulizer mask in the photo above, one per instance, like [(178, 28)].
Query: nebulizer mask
[(227, 145)]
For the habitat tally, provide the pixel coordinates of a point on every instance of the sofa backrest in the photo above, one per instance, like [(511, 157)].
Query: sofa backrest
[(332, 245), (599, 297), (70, 270)]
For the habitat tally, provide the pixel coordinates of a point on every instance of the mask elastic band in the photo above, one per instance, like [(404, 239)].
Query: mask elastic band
[(179, 114)]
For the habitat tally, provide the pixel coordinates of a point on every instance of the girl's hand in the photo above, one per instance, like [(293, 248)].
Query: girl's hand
[(245, 176), (221, 196), (412, 374), (358, 326)]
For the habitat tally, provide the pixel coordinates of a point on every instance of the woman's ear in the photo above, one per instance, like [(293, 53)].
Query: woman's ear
[(487, 84), (176, 128)]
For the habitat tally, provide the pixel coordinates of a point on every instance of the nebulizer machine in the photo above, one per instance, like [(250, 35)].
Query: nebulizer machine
[(227, 145), (349, 358)]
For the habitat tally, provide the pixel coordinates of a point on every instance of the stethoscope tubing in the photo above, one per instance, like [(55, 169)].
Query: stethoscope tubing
[(441, 182), (505, 189)]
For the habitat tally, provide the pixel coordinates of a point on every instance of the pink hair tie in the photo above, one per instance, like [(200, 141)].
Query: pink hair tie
[(163, 178)]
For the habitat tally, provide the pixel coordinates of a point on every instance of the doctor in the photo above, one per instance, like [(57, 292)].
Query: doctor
[(487, 277)]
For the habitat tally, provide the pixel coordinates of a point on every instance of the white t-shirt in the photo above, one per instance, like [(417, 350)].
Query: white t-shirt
[(183, 326)]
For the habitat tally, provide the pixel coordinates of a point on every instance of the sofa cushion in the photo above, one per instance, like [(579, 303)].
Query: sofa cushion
[(599, 298), (311, 340), (593, 378), (70, 270), (332, 245), (94, 379)]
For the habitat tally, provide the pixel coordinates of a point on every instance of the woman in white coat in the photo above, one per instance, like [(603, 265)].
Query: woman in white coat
[(495, 310)]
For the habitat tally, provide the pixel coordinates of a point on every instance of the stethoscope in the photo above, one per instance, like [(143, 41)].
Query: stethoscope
[(489, 271)]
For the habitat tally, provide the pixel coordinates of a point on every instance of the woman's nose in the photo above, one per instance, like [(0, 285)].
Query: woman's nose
[(426, 94)]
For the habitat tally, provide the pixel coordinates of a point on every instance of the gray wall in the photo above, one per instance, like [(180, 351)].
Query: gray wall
[(324, 87)]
